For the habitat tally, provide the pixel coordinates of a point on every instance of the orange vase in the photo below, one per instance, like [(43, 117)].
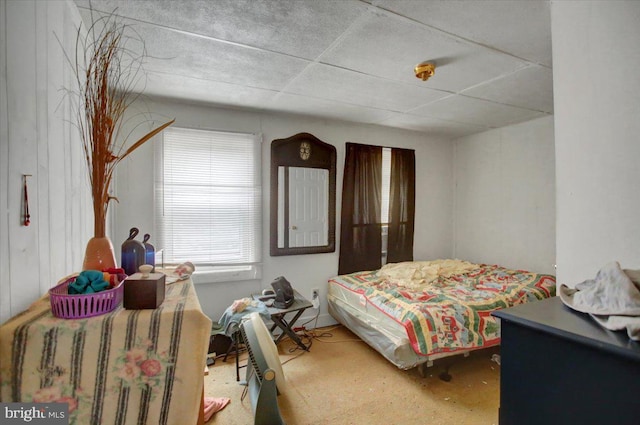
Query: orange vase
[(99, 254)]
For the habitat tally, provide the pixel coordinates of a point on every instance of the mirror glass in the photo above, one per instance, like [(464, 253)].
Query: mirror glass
[(302, 196), (305, 222)]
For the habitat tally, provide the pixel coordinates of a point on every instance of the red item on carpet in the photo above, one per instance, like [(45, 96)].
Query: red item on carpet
[(213, 405)]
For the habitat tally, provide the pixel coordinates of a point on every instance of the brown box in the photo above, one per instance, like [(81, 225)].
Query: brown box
[(141, 293)]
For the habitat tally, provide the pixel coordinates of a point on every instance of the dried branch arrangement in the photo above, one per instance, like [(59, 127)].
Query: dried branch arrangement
[(108, 67)]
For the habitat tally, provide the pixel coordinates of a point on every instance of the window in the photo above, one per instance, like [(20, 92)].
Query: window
[(378, 207), (208, 202), (384, 200)]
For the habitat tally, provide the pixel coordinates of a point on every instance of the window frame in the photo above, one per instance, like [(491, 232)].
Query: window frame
[(209, 272)]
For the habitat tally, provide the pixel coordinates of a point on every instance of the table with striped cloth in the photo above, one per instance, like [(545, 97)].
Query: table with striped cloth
[(123, 367)]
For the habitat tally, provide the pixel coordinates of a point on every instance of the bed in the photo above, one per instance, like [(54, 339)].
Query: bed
[(416, 312)]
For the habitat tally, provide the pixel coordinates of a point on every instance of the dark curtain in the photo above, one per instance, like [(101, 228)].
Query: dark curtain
[(360, 229), (401, 206)]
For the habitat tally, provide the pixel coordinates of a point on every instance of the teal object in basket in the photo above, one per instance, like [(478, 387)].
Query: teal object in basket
[(67, 306)]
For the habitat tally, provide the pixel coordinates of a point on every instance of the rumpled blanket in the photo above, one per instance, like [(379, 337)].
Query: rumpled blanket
[(232, 316), (612, 299), (415, 274)]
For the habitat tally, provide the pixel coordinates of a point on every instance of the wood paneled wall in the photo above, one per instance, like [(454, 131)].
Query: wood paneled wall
[(38, 137)]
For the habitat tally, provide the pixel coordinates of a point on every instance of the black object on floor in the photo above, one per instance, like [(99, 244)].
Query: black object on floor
[(219, 343)]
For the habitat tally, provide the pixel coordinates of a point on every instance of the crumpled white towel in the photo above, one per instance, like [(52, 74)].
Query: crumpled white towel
[(612, 299)]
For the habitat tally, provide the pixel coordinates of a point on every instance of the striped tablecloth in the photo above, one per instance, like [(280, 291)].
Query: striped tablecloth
[(124, 367)]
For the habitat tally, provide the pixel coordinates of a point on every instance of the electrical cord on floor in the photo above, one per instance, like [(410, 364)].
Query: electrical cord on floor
[(312, 334), (327, 333), (307, 336), (210, 358), (245, 390), (294, 357), (315, 318)]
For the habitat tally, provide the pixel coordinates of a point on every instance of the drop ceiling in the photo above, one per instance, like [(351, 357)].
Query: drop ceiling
[(351, 60)]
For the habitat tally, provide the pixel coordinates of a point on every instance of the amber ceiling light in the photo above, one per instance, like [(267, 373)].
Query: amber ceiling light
[(425, 70)]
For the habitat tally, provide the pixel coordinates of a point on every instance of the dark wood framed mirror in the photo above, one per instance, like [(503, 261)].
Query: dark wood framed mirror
[(303, 196)]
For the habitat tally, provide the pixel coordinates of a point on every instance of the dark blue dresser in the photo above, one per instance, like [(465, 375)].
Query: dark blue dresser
[(558, 366)]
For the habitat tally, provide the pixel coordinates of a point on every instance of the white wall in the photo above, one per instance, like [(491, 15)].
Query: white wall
[(433, 188), (36, 138), (504, 197), (596, 58)]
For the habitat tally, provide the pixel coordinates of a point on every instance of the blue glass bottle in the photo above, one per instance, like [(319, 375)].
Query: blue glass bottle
[(149, 252), (132, 253)]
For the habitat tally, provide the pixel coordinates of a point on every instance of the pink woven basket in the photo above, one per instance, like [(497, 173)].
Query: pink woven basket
[(68, 306)]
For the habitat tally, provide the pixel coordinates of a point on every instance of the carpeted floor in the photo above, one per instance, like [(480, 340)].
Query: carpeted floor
[(341, 380)]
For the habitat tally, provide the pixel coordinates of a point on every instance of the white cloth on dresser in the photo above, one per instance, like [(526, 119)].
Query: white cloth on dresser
[(612, 299)]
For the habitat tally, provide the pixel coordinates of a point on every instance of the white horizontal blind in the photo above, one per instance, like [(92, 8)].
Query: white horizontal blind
[(209, 197)]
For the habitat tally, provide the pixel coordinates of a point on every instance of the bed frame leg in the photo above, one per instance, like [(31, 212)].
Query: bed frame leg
[(422, 368), (445, 376)]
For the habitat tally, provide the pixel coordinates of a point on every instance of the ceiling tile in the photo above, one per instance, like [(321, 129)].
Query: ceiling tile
[(196, 57), (522, 28), (472, 111), (389, 46), (331, 83), (299, 28), (530, 88), (351, 60), (206, 91), (327, 109), (432, 126)]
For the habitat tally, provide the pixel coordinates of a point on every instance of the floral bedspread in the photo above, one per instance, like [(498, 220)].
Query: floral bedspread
[(123, 367), (451, 313)]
